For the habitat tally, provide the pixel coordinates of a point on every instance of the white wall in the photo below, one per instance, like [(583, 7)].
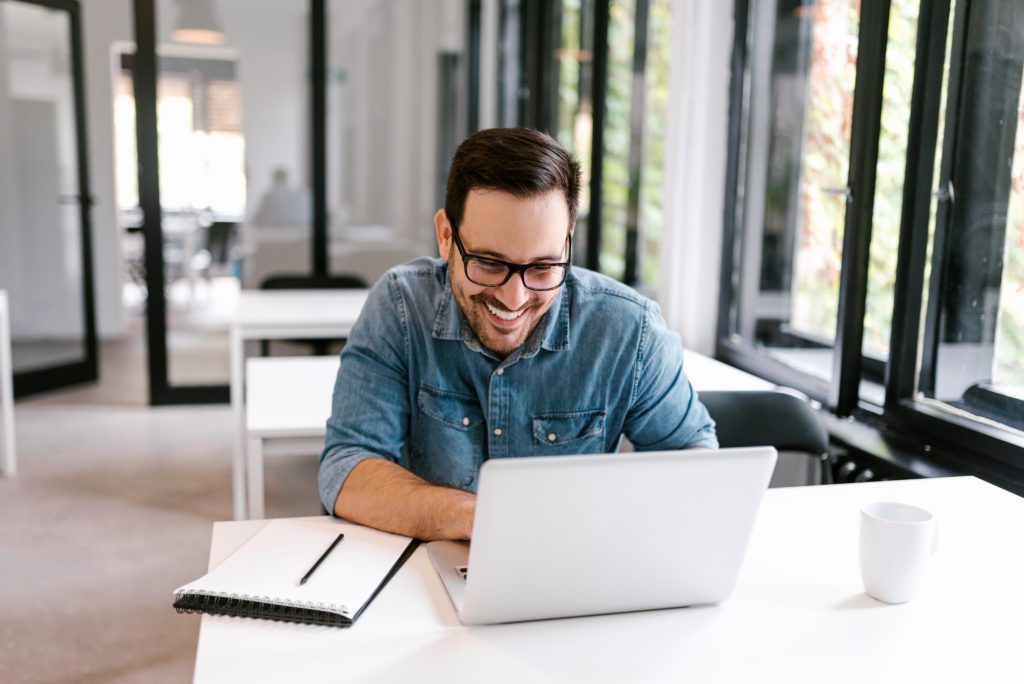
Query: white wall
[(696, 151)]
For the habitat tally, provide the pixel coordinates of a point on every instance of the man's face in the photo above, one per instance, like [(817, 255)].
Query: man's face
[(522, 231)]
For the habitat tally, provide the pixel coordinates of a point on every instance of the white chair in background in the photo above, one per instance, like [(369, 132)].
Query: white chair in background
[(8, 462)]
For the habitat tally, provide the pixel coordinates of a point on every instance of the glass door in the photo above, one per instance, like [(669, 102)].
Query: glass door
[(45, 259)]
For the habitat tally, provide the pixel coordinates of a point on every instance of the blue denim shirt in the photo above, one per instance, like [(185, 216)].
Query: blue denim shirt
[(416, 387)]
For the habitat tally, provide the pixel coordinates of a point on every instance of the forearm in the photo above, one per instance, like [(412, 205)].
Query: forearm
[(386, 496)]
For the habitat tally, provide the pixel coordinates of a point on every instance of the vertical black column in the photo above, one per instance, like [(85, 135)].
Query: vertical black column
[(318, 74), (144, 84), (853, 279), (732, 217), (602, 10), (925, 102), (636, 141), (473, 28)]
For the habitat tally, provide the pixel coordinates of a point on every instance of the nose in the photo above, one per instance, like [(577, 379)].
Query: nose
[(513, 294)]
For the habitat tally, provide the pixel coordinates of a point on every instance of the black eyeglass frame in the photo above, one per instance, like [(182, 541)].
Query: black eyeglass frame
[(512, 268)]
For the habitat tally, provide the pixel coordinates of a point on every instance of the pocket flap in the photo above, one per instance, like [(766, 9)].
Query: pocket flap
[(457, 410), (561, 429)]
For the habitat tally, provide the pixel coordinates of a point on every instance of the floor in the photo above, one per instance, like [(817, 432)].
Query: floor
[(111, 511)]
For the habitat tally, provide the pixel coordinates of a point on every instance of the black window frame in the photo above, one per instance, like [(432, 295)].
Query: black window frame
[(924, 432)]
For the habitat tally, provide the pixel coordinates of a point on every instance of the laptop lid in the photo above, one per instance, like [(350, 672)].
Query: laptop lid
[(580, 535)]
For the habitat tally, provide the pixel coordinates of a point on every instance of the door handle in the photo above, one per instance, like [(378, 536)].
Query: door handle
[(843, 192), (86, 201)]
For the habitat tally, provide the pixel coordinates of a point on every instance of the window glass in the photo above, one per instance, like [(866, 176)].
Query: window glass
[(615, 188), (652, 174), (889, 176), (973, 337), (575, 57), (803, 61)]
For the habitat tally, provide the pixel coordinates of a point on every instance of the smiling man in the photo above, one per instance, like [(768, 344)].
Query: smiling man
[(499, 349)]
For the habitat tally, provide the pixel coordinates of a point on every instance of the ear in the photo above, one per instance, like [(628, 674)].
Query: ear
[(444, 233)]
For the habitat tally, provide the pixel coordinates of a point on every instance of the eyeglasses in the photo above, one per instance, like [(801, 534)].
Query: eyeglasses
[(495, 272)]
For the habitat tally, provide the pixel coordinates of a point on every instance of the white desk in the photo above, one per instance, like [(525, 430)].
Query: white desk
[(288, 402), (276, 315), (8, 459), (799, 613), (708, 374)]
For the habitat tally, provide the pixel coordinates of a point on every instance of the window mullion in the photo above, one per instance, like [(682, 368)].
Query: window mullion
[(926, 103), (636, 137), (853, 279)]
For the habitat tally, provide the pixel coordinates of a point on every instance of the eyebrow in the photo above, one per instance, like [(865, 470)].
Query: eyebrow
[(501, 257)]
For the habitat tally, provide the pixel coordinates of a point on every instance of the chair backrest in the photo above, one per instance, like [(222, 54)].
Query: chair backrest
[(769, 418), (312, 282)]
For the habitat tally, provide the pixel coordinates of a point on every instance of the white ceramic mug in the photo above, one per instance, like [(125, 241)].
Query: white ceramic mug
[(896, 542)]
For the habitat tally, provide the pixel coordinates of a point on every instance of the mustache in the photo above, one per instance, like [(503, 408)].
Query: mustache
[(487, 299)]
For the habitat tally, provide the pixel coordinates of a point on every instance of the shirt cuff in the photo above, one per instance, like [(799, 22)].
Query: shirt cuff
[(333, 474)]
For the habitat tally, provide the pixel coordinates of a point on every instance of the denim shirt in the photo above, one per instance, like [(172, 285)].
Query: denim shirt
[(417, 388)]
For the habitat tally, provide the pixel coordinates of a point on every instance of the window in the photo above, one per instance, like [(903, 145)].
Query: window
[(202, 148), (876, 251), (609, 85)]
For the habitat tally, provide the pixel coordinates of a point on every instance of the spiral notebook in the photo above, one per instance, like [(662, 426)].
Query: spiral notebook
[(261, 578)]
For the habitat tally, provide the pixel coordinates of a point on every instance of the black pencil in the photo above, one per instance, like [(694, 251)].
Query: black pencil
[(321, 559)]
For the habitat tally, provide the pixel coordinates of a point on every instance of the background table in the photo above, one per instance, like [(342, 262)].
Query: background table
[(281, 315), (288, 402), (799, 613), (8, 459)]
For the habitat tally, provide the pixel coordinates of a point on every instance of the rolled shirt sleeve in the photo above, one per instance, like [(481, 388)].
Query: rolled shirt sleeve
[(370, 405), (665, 411)]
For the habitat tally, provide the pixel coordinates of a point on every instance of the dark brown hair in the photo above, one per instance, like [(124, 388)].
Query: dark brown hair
[(520, 161)]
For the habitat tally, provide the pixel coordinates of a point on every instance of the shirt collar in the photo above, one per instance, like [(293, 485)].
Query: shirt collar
[(553, 334)]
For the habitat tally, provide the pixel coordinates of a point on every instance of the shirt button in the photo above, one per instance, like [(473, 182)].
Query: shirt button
[(497, 432), (552, 437), (501, 371), (465, 421)]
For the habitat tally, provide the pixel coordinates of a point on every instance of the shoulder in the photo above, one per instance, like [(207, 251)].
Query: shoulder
[(588, 289), (418, 272), (419, 279), (410, 292)]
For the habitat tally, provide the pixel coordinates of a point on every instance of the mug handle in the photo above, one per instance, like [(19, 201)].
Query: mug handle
[(935, 538)]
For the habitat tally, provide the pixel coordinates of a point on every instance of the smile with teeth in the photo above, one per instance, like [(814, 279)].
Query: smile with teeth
[(506, 315)]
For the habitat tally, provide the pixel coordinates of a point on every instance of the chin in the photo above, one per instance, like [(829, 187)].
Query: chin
[(502, 345)]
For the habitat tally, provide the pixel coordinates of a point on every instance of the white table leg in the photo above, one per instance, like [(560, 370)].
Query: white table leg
[(254, 468), (8, 464), (238, 414)]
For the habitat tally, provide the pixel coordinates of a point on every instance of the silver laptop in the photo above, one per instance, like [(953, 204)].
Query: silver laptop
[(561, 536)]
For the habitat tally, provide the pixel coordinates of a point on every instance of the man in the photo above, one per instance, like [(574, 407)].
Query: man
[(498, 350)]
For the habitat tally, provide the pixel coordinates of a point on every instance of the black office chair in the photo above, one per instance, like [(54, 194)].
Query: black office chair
[(778, 419), (310, 282)]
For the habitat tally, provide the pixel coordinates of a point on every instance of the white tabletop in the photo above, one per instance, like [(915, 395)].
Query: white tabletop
[(260, 312), (708, 374), (799, 613)]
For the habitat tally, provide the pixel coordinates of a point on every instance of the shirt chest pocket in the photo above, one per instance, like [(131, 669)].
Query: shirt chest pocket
[(574, 432), (448, 439), (454, 409)]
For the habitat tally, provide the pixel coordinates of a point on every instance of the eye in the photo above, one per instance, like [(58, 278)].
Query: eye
[(485, 266)]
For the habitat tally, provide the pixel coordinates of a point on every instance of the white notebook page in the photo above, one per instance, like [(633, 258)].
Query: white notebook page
[(269, 566)]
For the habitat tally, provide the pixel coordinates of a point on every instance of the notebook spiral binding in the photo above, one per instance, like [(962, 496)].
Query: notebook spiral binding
[(264, 607)]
